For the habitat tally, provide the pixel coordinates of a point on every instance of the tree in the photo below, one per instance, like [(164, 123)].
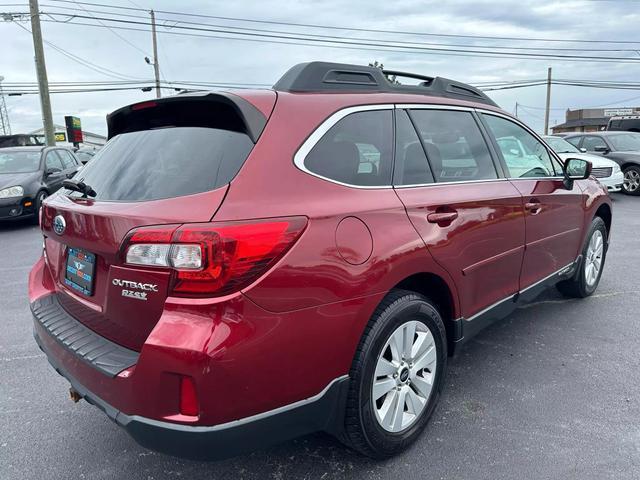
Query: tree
[(390, 78)]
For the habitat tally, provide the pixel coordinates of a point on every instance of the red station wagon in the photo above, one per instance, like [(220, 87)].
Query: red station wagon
[(236, 269)]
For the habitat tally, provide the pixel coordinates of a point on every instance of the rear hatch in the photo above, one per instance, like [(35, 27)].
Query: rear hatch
[(168, 162)]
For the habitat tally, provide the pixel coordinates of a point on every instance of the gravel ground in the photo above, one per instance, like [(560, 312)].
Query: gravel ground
[(552, 392)]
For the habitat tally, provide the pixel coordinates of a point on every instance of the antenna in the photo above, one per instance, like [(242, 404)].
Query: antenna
[(5, 127)]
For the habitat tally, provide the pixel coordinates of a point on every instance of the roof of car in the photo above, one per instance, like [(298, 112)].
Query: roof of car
[(605, 133), (26, 148)]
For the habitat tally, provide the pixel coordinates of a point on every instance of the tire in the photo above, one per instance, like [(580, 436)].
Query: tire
[(365, 431), (584, 282), (38, 203), (631, 184)]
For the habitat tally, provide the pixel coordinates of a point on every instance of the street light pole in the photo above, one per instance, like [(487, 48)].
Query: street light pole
[(156, 66), (41, 72), (548, 107)]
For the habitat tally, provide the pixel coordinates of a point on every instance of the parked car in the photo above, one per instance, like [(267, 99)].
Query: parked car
[(21, 140), (629, 123), (28, 175), (606, 171), (519, 161), (85, 154), (621, 147), (237, 269)]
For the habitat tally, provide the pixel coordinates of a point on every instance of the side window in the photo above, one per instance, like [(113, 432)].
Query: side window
[(358, 150), (67, 160), (591, 142), (411, 161), (524, 155), (53, 161), (454, 145), (575, 141)]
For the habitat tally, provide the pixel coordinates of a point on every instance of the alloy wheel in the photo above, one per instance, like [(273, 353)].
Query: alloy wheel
[(404, 376), (593, 260), (631, 180)]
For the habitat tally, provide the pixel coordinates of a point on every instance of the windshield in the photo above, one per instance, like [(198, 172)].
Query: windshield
[(19, 162), (625, 142), (165, 163), (560, 145)]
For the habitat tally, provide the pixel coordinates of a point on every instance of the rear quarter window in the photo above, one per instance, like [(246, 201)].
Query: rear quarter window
[(166, 163), (357, 150)]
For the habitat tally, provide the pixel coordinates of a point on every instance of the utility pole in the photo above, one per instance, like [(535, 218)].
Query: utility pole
[(548, 107), (5, 126), (156, 66), (41, 71)]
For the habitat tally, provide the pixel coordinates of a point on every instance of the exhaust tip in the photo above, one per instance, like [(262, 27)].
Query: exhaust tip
[(74, 395)]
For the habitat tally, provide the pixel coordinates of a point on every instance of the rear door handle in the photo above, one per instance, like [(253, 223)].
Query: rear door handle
[(533, 206), (442, 217)]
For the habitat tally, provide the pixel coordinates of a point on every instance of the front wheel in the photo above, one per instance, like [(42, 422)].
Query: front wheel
[(631, 184), (396, 376), (594, 253)]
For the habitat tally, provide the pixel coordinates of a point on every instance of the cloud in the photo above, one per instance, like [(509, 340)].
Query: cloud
[(225, 60)]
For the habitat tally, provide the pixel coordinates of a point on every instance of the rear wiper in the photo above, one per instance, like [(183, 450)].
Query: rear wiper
[(81, 187)]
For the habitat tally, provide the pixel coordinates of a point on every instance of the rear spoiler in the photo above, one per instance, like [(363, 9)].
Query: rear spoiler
[(215, 110)]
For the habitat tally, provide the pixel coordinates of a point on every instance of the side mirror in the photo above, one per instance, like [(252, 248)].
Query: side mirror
[(576, 169), (601, 149), (583, 150), (51, 171)]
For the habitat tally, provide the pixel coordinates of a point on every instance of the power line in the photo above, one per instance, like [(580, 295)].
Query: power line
[(353, 29), (624, 100), (86, 63), (148, 87), (341, 43), (397, 42), (131, 44)]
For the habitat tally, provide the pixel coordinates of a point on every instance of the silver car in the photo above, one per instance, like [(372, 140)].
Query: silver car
[(606, 171)]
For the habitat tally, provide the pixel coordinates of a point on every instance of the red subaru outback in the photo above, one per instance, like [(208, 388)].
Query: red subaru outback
[(237, 269)]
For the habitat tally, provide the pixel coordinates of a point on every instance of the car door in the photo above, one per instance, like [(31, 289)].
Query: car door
[(54, 171), (553, 213), (471, 219)]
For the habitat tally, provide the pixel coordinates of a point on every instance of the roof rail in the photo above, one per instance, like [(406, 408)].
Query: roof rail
[(342, 77)]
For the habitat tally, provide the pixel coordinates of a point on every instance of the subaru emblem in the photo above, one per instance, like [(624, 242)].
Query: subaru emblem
[(59, 224)]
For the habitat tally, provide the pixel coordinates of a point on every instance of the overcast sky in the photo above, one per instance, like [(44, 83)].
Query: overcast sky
[(224, 60)]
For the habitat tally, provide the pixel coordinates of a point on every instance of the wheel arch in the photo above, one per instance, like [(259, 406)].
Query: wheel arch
[(437, 290), (628, 164), (604, 212)]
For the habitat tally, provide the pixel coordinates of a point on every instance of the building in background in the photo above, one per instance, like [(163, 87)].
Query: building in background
[(89, 139), (591, 119)]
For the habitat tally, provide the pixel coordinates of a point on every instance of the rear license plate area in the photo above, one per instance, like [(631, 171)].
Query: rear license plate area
[(79, 271)]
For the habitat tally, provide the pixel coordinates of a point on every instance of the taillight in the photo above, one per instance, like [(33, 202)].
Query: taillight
[(213, 259)]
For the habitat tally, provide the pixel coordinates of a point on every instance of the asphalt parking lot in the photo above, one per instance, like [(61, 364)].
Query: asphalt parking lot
[(551, 392)]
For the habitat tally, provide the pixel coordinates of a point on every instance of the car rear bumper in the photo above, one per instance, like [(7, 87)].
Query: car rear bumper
[(261, 377), (320, 412)]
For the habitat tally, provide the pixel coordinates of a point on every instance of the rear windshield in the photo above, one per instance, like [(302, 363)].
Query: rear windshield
[(165, 163)]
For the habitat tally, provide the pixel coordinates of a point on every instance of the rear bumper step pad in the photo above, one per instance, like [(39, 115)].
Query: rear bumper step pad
[(102, 354)]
